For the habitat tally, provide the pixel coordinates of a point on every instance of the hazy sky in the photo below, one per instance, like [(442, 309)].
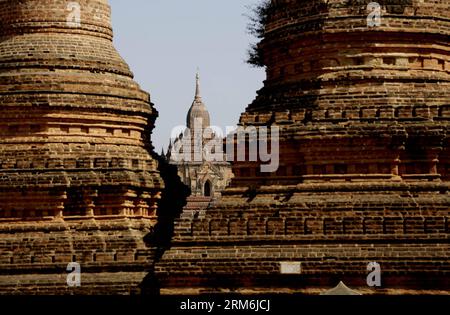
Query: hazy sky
[(164, 41)]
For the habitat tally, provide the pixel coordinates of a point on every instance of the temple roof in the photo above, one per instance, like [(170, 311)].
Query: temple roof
[(341, 289)]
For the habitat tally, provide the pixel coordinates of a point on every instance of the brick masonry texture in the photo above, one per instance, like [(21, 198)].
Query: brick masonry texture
[(364, 172), (78, 181)]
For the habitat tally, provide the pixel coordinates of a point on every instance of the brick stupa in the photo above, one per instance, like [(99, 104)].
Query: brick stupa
[(365, 171), (78, 182)]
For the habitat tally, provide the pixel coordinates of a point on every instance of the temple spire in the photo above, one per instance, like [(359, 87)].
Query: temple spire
[(197, 86)]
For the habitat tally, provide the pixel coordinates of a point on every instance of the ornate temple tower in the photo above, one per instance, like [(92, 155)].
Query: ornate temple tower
[(206, 178), (364, 170), (77, 179)]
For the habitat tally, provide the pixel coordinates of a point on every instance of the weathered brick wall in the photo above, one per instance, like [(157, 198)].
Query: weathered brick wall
[(334, 230), (78, 181), (111, 252)]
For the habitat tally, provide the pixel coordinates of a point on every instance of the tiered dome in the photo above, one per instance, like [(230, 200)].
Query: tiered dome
[(332, 77), (76, 169), (72, 114)]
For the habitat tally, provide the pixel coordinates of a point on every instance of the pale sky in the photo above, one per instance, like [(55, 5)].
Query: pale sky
[(164, 41)]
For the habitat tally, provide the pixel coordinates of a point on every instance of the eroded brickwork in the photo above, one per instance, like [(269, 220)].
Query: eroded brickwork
[(364, 148), (77, 179)]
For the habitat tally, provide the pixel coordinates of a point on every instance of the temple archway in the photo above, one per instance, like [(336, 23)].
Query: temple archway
[(207, 191)]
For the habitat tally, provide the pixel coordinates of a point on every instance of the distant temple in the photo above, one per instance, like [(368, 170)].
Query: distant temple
[(205, 177)]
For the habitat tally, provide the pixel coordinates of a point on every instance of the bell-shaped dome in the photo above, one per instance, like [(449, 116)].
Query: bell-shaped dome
[(198, 115)]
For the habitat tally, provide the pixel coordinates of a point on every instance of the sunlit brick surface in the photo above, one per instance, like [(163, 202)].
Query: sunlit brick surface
[(77, 179)]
